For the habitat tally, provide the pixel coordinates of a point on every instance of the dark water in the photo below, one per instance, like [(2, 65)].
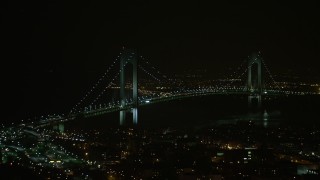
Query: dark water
[(215, 110)]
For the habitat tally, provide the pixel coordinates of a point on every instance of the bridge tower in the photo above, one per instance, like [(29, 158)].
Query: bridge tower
[(59, 127), (129, 56), (254, 85)]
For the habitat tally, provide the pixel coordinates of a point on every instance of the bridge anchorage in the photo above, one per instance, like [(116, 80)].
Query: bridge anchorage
[(129, 56), (254, 86)]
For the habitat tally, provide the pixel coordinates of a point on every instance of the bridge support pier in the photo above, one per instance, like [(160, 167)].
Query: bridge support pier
[(251, 98), (135, 115), (122, 117), (129, 56)]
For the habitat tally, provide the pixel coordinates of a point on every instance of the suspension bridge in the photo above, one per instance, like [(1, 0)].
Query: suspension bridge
[(252, 79)]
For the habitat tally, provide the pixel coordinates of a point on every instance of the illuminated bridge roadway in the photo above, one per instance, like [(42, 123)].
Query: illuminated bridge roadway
[(143, 101)]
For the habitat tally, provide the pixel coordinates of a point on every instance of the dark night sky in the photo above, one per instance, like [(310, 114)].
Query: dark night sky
[(53, 51)]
